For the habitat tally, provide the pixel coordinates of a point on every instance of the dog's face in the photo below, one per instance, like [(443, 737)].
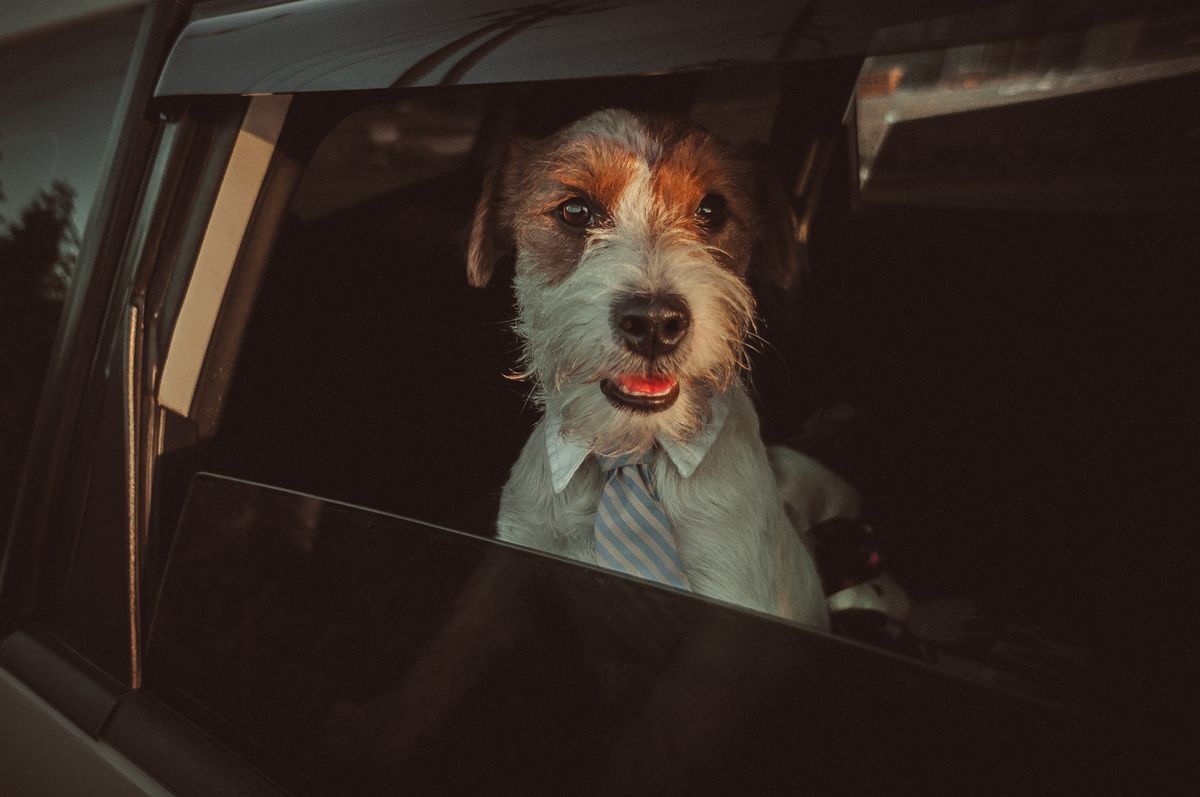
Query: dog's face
[(633, 241)]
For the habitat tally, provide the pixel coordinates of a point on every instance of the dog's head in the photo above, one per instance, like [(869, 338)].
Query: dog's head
[(633, 241)]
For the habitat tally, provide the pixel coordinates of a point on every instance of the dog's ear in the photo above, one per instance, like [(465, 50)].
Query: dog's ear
[(778, 255), (491, 231), (484, 246)]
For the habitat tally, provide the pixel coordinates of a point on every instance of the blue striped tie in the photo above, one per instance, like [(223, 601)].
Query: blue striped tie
[(633, 534)]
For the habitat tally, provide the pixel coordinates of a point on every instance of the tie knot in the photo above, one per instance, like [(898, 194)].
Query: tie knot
[(613, 463)]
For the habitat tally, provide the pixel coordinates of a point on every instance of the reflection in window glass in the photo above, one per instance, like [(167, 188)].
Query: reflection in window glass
[(1065, 110), (58, 94)]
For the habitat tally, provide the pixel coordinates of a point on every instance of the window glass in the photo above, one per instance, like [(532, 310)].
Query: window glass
[(359, 651), (58, 95)]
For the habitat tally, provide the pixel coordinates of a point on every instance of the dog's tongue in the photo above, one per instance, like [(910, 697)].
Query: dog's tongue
[(636, 385)]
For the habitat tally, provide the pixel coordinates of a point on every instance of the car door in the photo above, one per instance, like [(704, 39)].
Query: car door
[(270, 568)]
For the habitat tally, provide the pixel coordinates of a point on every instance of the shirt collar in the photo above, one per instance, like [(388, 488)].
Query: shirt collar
[(567, 455)]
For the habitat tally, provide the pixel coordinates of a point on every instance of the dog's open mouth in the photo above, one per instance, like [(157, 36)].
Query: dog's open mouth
[(639, 393)]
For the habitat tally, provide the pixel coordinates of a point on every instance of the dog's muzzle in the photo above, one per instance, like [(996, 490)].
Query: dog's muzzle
[(651, 327)]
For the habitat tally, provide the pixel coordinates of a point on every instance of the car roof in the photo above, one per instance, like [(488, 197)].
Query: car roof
[(252, 46)]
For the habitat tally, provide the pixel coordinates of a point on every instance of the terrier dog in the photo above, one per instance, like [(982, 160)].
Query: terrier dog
[(633, 239)]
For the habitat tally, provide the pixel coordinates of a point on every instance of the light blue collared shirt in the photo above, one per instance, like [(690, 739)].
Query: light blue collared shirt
[(566, 455)]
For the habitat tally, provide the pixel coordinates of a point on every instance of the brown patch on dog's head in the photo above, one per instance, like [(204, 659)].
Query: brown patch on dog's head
[(570, 167), (530, 182), (594, 160), (698, 170)]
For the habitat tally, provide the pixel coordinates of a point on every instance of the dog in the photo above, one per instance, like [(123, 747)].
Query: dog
[(634, 240)]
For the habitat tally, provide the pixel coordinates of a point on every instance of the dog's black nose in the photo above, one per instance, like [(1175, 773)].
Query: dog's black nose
[(651, 326)]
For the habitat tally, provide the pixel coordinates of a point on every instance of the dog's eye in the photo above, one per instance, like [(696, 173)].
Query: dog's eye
[(576, 213), (712, 211)]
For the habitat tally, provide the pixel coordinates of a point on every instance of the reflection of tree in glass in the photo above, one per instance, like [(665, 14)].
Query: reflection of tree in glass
[(37, 253), (37, 258)]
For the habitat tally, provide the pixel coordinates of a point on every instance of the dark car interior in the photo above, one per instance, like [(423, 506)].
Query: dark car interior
[(1006, 387)]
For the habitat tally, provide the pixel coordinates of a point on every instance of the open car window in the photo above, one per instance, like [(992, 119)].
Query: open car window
[(369, 370)]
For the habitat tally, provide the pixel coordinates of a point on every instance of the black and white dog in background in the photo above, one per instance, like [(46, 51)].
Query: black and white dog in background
[(633, 239)]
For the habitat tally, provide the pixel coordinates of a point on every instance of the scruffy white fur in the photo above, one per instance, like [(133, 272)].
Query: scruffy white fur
[(734, 537)]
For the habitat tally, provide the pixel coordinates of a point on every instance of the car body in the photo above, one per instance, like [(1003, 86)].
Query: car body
[(253, 517)]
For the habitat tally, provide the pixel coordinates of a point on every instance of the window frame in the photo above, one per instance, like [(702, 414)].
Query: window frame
[(94, 374)]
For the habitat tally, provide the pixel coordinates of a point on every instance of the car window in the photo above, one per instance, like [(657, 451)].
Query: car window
[(995, 369), (58, 96)]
